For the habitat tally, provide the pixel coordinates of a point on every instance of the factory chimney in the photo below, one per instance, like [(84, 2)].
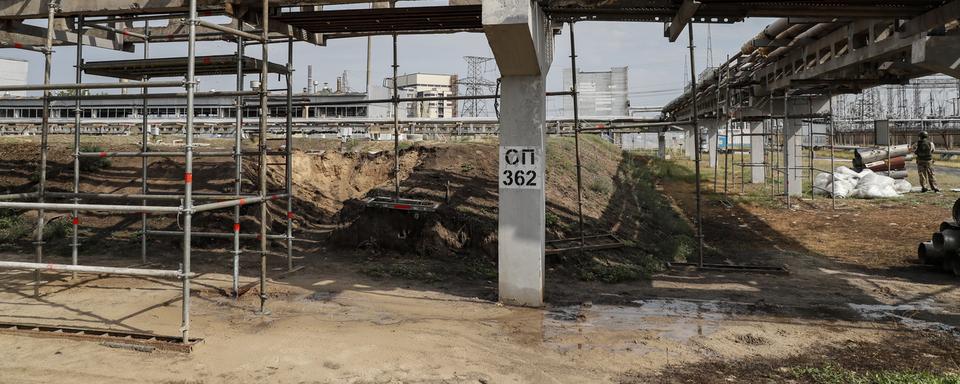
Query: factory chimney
[(311, 89)]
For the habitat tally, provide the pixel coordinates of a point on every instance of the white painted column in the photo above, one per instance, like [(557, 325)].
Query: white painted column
[(757, 143), (522, 43), (689, 143), (713, 134), (792, 148), (661, 144)]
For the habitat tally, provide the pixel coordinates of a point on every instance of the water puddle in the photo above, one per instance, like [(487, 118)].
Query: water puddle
[(912, 315), (643, 327)]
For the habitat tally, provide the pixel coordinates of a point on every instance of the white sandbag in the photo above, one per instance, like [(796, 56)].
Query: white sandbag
[(875, 179), (844, 188), (846, 172), (864, 173), (902, 186), (875, 191), (820, 184)]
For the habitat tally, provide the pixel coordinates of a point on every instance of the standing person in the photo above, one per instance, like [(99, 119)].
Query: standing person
[(924, 150)]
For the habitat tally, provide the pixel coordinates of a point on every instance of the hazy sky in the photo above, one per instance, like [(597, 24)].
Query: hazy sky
[(656, 66)]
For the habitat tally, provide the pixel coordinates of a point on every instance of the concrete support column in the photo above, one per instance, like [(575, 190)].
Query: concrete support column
[(689, 143), (661, 145), (792, 152), (757, 143), (521, 39), (713, 134)]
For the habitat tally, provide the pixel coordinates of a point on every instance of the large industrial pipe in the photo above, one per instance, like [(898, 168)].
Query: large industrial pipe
[(770, 32), (863, 156), (929, 253), (947, 240), (895, 164), (810, 34), (948, 225)]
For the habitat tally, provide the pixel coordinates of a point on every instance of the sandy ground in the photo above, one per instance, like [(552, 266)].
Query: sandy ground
[(329, 325)]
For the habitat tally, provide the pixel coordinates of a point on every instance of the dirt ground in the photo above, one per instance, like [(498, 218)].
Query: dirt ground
[(855, 298)]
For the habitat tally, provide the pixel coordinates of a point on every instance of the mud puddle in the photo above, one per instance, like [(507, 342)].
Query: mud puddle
[(644, 327)]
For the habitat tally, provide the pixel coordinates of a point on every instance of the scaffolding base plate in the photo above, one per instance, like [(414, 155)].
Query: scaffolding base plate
[(165, 343)]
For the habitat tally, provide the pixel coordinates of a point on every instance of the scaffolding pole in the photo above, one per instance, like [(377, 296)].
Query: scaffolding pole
[(75, 243), (697, 139), (145, 138), (576, 135), (288, 171), (44, 132), (190, 85), (396, 118), (262, 159), (238, 168)]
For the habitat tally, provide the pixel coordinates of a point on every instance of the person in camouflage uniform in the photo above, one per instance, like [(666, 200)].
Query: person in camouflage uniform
[(924, 149)]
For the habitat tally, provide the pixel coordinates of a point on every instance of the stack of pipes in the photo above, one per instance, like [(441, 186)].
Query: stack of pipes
[(942, 250), (888, 161)]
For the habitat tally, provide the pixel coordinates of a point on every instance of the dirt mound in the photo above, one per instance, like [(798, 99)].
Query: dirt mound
[(619, 196)]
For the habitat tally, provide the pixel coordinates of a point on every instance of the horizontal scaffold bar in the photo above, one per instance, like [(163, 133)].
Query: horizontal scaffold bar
[(170, 274), (131, 84), (175, 154), (233, 203), (135, 196), (90, 207), (225, 235)]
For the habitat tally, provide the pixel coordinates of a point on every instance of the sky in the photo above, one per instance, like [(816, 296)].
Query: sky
[(656, 66)]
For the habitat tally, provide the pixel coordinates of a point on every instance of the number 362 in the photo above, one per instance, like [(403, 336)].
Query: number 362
[(520, 178)]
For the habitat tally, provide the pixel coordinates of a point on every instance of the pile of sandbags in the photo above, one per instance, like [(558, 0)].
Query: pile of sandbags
[(865, 184), (878, 160)]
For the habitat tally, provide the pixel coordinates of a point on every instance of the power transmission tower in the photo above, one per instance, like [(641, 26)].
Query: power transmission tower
[(475, 84)]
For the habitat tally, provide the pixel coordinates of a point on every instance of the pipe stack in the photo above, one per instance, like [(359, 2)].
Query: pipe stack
[(942, 251), (892, 164)]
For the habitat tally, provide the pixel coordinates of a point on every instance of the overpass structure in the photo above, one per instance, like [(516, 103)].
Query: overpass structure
[(822, 47), (783, 79)]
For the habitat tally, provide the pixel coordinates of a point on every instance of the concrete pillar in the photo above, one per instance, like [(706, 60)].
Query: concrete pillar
[(757, 144), (713, 134), (521, 39), (793, 153), (661, 145), (689, 143)]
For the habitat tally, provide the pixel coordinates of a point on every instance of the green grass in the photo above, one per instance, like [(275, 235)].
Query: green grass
[(93, 164), (12, 226), (834, 374)]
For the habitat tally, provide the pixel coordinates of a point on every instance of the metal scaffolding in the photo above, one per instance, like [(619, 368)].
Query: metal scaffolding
[(147, 69)]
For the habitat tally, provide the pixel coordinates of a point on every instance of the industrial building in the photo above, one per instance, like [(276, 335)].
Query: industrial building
[(428, 85), (602, 93)]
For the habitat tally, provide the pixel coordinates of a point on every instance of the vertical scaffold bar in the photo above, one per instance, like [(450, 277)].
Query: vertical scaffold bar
[(262, 159), (145, 137), (833, 185), (190, 85), (576, 134), (77, 113), (697, 139), (396, 118), (44, 132), (288, 173), (786, 161), (238, 166)]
